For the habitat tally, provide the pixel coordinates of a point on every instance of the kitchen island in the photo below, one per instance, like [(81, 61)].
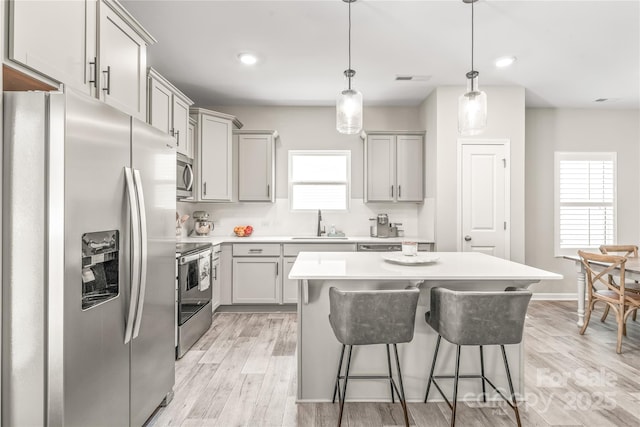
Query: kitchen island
[(319, 350)]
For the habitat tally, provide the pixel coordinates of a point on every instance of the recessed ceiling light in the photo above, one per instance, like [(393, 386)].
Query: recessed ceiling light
[(505, 61), (248, 58)]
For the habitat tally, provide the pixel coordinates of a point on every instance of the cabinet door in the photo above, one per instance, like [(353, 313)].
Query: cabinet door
[(409, 168), (160, 98), (255, 168), (215, 285), (180, 127), (55, 38), (123, 64), (256, 280), (289, 286), (380, 180), (190, 143), (215, 158)]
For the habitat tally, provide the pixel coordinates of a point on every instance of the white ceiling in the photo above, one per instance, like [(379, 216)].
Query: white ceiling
[(569, 52)]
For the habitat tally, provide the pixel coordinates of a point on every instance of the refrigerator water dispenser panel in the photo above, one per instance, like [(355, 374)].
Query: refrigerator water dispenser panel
[(100, 281)]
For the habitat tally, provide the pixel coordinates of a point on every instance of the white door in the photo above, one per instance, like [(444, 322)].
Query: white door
[(380, 158), (160, 106), (215, 158), (484, 184), (180, 111), (409, 161), (255, 168)]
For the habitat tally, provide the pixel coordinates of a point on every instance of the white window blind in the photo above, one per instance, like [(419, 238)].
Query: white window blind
[(319, 179), (585, 201)]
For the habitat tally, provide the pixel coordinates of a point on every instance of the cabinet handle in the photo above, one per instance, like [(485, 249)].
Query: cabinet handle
[(392, 191), (205, 188), (268, 190), (172, 132), (253, 251), (215, 273), (399, 191), (108, 73), (95, 71), (277, 269), (178, 138)]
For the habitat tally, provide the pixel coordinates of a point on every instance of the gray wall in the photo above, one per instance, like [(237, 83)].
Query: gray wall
[(505, 120), (550, 130)]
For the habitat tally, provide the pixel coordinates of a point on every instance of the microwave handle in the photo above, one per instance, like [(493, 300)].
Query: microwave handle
[(188, 170)]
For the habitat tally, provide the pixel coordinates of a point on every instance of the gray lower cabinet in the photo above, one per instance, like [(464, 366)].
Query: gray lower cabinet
[(256, 280), (289, 286)]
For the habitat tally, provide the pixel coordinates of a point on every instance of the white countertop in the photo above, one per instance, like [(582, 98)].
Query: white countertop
[(216, 240), (450, 266)]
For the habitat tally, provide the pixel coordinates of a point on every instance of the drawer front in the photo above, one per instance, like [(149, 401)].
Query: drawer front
[(256, 249), (292, 249)]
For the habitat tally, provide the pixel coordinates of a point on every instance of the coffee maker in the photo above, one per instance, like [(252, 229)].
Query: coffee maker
[(382, 227)]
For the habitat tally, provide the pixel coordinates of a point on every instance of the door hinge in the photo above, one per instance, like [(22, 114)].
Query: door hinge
[(505, 225), (504, 163)]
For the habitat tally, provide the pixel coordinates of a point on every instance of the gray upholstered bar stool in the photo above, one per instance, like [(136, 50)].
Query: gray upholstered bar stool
[(372, 317), (477, 318)]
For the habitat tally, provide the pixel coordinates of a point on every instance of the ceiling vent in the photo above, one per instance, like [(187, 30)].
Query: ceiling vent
[(411, 78)]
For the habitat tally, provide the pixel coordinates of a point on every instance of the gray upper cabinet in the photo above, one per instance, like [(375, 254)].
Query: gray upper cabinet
[(214, 155), (94, 46), (122, 51), (64, 48), (394, 166), (168, 110), (256, 172)]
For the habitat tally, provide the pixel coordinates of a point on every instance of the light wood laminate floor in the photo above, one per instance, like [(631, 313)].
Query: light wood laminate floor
[(242, 373)]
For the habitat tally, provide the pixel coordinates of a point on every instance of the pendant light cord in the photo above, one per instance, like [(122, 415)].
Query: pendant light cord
[(349, 78), (472, 69)]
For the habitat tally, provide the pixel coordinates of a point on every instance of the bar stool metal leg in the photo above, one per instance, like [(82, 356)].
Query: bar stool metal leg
[(393, 400), (336, 389), (433, 366), (455, 388), (513, 396), (484, 391), (402, 398), (344, 389)]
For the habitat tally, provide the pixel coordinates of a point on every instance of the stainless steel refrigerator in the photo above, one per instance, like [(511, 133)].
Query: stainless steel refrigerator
[(88, 263)]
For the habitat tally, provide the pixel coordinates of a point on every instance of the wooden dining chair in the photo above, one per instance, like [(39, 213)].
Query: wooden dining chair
[(598, 267), (631, 285)]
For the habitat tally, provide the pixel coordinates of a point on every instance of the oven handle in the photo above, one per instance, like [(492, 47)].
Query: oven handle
[(194, 257), (135, 258), (143, 250)]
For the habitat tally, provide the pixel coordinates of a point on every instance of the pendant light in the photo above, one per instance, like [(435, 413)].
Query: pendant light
[(349, 102), (472, 105)]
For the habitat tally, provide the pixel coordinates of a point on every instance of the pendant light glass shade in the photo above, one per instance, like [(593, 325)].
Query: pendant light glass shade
[(349, 109), (472, 108), (349, 101)]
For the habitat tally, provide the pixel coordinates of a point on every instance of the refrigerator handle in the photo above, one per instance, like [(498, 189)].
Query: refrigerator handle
[(143, 251), (135, 258)]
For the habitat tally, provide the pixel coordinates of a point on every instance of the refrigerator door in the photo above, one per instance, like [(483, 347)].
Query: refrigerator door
[(152, 348), (96, 358)]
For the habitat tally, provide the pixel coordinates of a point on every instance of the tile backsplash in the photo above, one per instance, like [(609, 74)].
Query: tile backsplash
[(276, 219)]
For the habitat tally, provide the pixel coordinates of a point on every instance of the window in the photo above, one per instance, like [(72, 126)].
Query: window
[(585, 201), (319, 180)]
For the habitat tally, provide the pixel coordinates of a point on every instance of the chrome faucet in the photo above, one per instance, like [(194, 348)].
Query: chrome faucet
[(321, 231)]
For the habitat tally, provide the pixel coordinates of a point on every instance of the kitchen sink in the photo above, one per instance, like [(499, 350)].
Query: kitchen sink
[(319, 238)]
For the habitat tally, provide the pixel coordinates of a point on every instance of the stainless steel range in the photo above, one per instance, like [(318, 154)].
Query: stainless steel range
[(194, 293)]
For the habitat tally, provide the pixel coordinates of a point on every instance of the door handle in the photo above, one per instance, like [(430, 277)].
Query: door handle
[(467, 238), (135, 263), (94, 63), (143, 251)]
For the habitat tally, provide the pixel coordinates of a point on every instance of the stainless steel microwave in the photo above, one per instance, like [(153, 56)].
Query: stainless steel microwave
[(184, 177)]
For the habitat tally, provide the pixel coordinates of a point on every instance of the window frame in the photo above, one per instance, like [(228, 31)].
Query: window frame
[(583, 156), (347, 183)]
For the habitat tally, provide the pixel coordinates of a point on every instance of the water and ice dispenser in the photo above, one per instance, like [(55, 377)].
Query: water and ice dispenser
[(100, 267)]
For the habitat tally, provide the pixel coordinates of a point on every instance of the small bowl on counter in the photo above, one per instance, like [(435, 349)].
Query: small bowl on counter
[(243, 230)]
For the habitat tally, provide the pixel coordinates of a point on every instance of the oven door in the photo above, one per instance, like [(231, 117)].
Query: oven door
[(184, 177), (194, 280)]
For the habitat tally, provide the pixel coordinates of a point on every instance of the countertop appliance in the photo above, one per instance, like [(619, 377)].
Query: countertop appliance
[(195, 270), (202, 226), (382, 227), (184, 177), (88, 263)]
